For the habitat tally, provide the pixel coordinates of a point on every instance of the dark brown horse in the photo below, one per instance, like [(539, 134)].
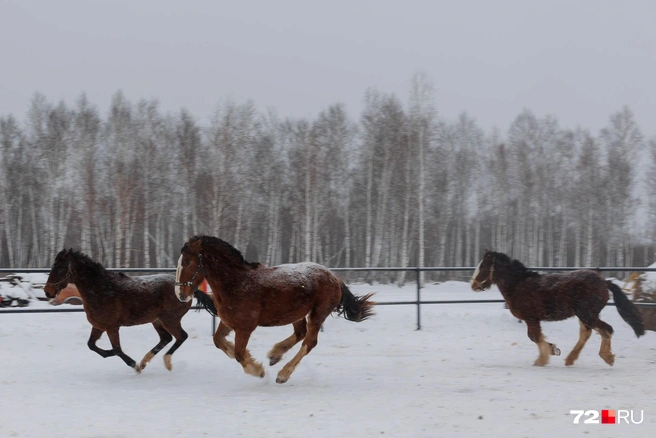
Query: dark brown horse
[(248, 295), (533, 297), (112, 300)]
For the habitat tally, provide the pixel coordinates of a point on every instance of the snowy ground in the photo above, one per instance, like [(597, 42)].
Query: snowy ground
[(467, 373)]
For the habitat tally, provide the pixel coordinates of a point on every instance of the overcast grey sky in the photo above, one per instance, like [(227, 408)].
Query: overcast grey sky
[(578, 60)]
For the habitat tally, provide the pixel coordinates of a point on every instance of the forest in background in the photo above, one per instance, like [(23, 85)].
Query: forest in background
[(400, 185)]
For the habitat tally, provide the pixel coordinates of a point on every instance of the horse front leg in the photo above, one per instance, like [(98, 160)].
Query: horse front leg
[(243, 356), (221, 342), (164, 338), (116, 348), (175, 329), (545, 348), (91, 343), (584, 335)]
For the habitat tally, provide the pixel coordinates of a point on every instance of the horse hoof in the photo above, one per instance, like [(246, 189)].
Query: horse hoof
[(254, 369), (167, 362), (138, 369), (556, 351), (273, 361), (280, 380)]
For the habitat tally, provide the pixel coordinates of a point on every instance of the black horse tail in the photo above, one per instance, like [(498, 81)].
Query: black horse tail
[(205, 301), (354, 308), (627, 310)]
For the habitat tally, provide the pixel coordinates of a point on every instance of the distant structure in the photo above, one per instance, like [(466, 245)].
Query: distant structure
[(642, 287)]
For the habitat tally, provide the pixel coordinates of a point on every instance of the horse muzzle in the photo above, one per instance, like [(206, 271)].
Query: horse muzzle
[(482, 286), (51, 292), (180, 295), (185, 299)]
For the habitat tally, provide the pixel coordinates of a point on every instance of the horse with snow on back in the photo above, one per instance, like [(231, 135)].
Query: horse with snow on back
[(533, 297), (112, 300), (248, 295)]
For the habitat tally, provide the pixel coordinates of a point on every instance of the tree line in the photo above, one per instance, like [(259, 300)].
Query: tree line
[(398, 186)]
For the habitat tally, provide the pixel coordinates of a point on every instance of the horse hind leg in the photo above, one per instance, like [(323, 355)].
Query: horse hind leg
[(180, 336), (221, 342), (313, 327), (282, 347), (584, 334), (606, 332), (243, 356), (116, 348), (164, 338)]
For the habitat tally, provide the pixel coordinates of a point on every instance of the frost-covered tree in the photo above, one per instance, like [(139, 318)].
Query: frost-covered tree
[(621, 140), (14, 172), (85, 144)]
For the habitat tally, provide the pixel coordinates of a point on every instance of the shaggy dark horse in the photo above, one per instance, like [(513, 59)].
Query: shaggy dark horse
[(112, 300), (533, 297), (248, 295)]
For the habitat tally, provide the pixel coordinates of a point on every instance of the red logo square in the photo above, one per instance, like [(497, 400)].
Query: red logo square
[(607, 416)]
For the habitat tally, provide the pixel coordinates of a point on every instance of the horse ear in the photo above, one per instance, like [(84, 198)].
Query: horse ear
[(486, 250)]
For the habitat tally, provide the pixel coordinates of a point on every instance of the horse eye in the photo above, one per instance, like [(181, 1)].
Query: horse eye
[(187, 262)]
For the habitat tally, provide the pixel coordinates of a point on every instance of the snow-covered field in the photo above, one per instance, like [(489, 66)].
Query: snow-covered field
[(467, 373)]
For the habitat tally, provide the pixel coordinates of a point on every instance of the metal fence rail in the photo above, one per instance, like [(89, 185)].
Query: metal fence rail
[(417, 270)]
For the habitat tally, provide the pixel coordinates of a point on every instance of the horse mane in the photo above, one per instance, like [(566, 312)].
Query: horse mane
[(516, 267), (87, 267), (87, 263), (221, 246)]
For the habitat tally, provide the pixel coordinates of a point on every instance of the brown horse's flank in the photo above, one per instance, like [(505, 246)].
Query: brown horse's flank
[(247, 295), (112, 300), (533, 297)]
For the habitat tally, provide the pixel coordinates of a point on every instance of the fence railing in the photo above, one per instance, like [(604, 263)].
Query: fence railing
[(416, 302)]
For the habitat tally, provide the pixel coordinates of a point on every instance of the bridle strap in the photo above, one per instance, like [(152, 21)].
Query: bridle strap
[(190, 283), (489, 277), (66, 277), (492, 271)]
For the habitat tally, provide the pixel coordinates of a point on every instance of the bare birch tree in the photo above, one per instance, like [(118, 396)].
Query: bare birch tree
[(13, 178), (622, 139), (86, 132), (421, 116)]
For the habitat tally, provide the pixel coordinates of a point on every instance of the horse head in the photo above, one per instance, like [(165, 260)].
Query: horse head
[(60, 274), (483, 275), (190, 272)]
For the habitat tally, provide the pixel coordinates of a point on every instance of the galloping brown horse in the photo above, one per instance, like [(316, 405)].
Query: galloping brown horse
[(112, 300), (248, 295), (533, 297)]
